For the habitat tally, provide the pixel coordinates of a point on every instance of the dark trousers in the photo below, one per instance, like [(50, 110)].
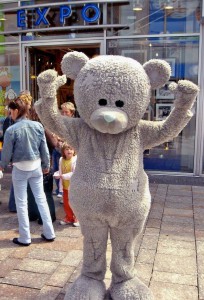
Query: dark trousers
[(33, 211)]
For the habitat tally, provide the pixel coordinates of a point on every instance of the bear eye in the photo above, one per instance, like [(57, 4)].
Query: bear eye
[(119, 103), (102, 102)]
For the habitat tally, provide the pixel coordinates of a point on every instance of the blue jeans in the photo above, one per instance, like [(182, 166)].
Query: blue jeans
[(35, 179), (55, 166)]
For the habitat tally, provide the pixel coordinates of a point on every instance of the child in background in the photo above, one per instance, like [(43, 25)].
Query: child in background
[(67, 165)]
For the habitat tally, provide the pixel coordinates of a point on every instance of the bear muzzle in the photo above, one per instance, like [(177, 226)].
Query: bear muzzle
[(109, 120)]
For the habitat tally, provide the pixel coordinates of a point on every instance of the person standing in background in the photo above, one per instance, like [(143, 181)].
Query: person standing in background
[(25, 145), (68, 110), (67, 165), (27, 98)]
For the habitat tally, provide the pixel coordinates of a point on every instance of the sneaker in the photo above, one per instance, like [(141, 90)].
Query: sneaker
[(76, 224), (59, 196), (64, 222)]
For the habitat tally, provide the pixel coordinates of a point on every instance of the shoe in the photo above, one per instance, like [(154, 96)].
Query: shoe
[(59, 196), (64, 222), (48, 240), (61, 201), (16, 241), (76, 224)]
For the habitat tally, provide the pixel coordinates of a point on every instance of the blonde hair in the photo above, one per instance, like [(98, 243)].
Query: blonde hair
[(68, 105), (26, 97)]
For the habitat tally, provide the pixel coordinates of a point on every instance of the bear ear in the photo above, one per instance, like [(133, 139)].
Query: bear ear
[(72, 63), (158, 71)]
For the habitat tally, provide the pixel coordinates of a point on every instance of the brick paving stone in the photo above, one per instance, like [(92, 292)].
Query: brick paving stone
[(45, 254), (198, 188), (198, 203), (199, 225), (5, 252), (179, 199), (154, 214), (159, 199), (63, 244), (8, 265), (168, 242), (25, 279), (72, 258), (20, 252), (200, 247), (175, 264), (175, 278), (144, 272), (9, 292), (146, 256), (151, 231), (200, 259), (60, 276), (157, 206), (38, 266), (149, 242), (175, 251), (201, 286), (179, 187), (177, 220), (178, 227), (199, 234), (178, 192), (176, 235), (153, 223), (180, 205), (49, 293), (178, 212), (168, 291)]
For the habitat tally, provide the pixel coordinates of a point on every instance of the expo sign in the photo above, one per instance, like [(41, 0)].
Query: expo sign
[(65, 11)]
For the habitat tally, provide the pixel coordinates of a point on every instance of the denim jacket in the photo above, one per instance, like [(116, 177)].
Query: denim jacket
[(24, 141)]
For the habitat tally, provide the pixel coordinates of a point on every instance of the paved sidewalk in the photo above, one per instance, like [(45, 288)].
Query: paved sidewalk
[(169, 254)]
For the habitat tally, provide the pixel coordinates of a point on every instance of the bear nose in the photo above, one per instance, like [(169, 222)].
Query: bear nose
[(109, 118)]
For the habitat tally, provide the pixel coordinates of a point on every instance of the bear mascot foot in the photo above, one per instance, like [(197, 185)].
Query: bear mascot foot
[(85, 288), (132, 289)]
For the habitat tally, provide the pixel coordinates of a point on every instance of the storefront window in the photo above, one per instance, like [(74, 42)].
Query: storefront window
[(176, 155), (154, 17), (9, 77), (8, 19)]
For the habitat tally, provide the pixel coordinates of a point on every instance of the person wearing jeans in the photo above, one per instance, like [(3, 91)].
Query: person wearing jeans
[(25, 145)]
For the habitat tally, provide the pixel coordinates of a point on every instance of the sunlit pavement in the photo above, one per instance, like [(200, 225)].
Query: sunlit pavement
[(169, 254)]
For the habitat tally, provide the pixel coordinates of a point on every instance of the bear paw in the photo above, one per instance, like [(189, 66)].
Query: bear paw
[(49, 82), (185, 92), (132, 289), (85, 288)]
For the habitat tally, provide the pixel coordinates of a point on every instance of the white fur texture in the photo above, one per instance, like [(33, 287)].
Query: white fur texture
[(109, 190)]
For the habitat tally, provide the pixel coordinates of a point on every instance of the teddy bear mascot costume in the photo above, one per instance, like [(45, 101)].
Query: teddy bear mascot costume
[(109, 190)]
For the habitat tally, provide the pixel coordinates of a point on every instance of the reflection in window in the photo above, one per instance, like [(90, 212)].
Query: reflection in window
[(181, 53)]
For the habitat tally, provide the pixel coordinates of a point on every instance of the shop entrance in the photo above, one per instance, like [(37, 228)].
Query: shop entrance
[(42, 57)]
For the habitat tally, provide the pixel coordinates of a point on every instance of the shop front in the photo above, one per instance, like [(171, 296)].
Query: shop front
[(36, 34)]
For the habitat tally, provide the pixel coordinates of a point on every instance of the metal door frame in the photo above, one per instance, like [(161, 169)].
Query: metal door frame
[(25, 55)]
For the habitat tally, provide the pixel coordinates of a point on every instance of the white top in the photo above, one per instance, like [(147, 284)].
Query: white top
[(28, 165)]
